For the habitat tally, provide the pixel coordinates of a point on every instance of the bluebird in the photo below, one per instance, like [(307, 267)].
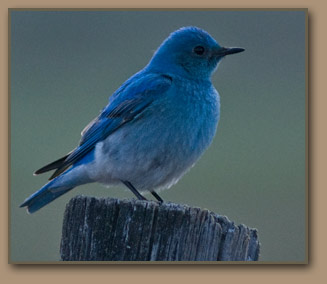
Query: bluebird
[(154, 128)]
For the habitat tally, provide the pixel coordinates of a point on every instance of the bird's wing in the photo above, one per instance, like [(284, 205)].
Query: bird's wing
[(131, 100)]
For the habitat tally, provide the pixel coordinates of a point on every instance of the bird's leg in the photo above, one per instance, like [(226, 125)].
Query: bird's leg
[(157, 196), (134, 190)]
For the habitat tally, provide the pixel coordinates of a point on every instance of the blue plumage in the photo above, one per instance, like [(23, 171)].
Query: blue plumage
[(155, 127)]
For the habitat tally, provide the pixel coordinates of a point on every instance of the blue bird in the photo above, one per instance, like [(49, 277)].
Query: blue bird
[(154, 128)]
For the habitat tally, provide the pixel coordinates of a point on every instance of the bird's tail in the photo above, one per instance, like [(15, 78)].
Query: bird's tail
[(75, 176), (43, 196)]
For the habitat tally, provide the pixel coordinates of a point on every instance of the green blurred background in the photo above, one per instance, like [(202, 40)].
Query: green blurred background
[(65, 65)]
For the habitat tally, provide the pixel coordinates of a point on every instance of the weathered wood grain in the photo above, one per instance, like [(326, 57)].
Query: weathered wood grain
[(107, 229)]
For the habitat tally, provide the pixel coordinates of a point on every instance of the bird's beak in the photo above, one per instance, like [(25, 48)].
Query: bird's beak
[(223, 51)]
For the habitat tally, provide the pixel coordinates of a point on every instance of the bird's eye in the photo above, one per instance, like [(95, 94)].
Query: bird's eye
[(199, 50)]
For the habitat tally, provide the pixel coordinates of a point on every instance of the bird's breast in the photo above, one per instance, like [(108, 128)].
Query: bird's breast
[(187, 118)]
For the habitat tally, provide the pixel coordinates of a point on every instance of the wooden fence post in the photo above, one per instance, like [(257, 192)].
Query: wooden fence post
[(107, 229)]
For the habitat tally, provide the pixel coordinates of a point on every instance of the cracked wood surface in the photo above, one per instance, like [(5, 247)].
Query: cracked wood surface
[(108, 229)]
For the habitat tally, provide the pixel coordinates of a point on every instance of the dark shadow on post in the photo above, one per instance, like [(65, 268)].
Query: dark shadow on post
[(107, 229)]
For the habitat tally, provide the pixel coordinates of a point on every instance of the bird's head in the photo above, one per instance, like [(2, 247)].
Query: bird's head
[(190, 52)]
